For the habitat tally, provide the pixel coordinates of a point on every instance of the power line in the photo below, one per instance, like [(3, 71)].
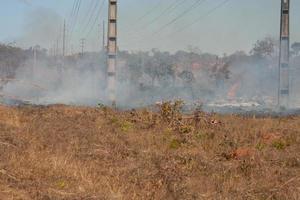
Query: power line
[(95, 6), (90, 8), (77, 13), (75, 17), (73, 9), (145, 15), (149, 11), (209, 12), (73, 14), (166, 11), (70, 18), (195, 5), (201, 17), (97, 17)]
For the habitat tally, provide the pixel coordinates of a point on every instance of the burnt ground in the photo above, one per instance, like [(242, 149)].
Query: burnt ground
[(62, 152)]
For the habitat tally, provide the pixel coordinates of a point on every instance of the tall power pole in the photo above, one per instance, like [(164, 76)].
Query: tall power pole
[(103, 36), (284, 76), (57, 47), (112, 51), (34, 58), (64, 39), (82, 43)]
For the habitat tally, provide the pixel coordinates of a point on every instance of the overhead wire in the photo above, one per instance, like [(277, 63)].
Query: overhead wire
[(73, 9), (96, 18), (75, 18), (195, 5), (89, 10), (77, 13), (209, 12), (150, 11), (201, 17), (92, 14), (166, 11), (70, 19)]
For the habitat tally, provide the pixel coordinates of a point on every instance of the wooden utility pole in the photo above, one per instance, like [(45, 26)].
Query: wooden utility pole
[(112, 51), (284, 70)]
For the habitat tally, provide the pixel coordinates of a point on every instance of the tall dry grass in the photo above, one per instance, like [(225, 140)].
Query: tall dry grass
[(61, 152)]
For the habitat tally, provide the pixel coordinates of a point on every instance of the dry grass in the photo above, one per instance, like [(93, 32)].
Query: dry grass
[(71, 153)]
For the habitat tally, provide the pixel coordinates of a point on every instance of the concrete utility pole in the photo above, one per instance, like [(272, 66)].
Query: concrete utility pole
[(34, 58), (57, 47), (64, 39), (112, 51), (103, 38), (284, 72), (82, 43)]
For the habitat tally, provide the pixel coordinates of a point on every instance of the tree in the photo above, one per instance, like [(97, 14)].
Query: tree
[(296, 48), (160, 67), (264, 48), (187, 76)]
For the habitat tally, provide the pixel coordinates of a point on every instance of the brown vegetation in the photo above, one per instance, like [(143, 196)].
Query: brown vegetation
[(61, 152)]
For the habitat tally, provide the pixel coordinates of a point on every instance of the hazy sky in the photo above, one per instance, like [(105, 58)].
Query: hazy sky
[(209, 25)]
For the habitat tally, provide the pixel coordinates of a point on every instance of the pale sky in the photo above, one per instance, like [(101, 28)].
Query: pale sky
[(210, 25)]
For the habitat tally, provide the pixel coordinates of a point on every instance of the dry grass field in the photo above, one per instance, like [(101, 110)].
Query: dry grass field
[(77, 153)]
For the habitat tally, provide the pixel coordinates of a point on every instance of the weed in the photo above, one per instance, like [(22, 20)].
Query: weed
[(260, 146), (114, 120), (292, 162), (175, 144), (126, 126), (203, 135), (101, 105), (185, 129), (171, 111), (245, 167), (61, 184), (279, 145)]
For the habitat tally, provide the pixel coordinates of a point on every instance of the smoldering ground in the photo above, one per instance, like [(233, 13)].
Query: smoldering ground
[(145, 78)]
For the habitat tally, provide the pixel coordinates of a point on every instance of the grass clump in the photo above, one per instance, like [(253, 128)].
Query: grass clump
[(175, 144), (126, 126), (279, 145)]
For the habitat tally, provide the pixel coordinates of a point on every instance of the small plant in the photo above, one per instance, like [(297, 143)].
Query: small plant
[(175, 144), (61, 184), (279, 145), (100, 105), (246, 167), (185, 129), (204, 135), (260, 146), (200, 135), (122, 124), (114, 120), (171, 111), (126, 126), (292, 162)]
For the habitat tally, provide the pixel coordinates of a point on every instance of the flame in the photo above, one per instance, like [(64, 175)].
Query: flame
[(233, 90)]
